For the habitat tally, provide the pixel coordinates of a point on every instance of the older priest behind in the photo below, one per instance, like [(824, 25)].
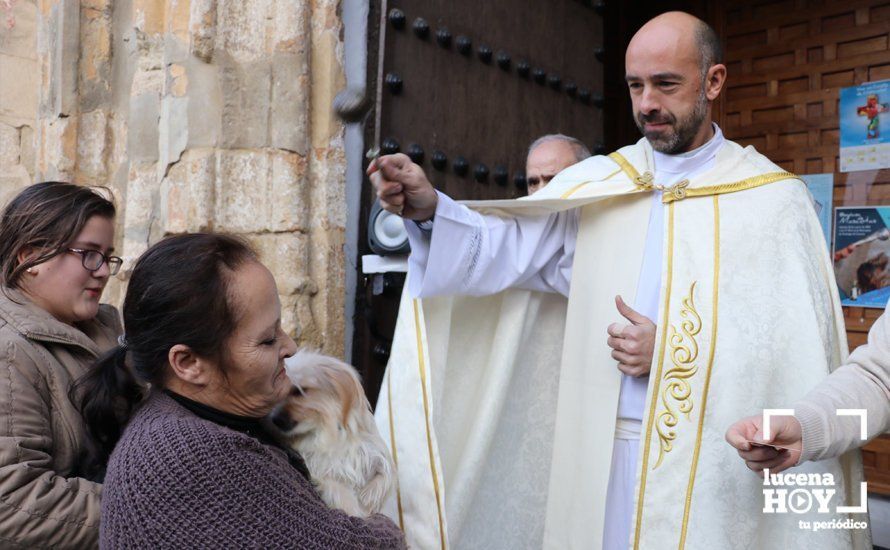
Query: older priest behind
[(503, 403)]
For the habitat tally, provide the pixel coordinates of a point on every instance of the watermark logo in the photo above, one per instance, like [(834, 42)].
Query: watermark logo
[(800, 493)]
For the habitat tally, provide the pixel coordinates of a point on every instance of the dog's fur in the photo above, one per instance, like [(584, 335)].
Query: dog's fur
[(328, 420)]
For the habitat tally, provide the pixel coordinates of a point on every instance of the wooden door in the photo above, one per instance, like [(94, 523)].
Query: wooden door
[(467, 86)]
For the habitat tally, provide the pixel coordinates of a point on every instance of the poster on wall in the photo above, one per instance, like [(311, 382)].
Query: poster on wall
[(821, 186), (865, 126), (862, 254)]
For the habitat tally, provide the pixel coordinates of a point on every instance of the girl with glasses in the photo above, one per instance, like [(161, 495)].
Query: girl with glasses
[(56, 241)]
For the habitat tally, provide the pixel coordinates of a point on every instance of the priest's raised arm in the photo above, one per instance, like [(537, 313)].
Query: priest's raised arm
[(468, 253)]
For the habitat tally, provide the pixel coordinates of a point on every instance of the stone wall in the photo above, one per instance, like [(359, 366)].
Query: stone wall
[(199, 115), (19, 80)]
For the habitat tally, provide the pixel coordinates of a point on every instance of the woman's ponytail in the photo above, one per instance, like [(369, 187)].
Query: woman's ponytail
[(108, 395)]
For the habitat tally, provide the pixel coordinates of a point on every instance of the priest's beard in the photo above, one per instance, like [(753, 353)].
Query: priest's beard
[(681, 131)]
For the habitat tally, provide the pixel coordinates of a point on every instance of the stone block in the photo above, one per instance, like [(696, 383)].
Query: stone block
[(92, 147), (12, 181), (290, 103), (176, 50), (288, 193), (178, 19), (326, 16), (202, 29), (147, 80), (19, 81), (173, 131), (177, 80), (9, 185), (21, 39), (261, 191), (10, 147), (143, 132), (328, 78), (246, 91), (149, 53), (204, 105), (242, 29), (57, 148), (15, 121), (149, 16), (140, 211), (290, 32), (298, 321), (27, 149), (287, 257), (187, 202), (97, 5), (95, 44), (59, 45), (242, 191), (328, 187), (328, 243), (117, 145)]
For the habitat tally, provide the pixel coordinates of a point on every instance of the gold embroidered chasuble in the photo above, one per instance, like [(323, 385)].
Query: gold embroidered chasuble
[(500, 411)]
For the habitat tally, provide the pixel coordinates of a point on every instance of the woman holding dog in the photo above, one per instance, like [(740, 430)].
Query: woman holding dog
[(202, 361), (55, 259)]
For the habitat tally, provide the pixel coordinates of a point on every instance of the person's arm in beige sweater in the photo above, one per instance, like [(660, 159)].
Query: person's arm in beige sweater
[(862, 383), (816, 431)]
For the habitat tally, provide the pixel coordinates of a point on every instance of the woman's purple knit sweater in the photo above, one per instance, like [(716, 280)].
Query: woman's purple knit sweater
[(178, 481)]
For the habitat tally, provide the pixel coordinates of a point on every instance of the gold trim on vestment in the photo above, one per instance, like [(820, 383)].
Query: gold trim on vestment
[(426, 413), (677, 390), (395, 455), (625, 166), (571, 191), (678, 192), (646, 181), (664, 322), (704, 395), (721, 189), (681, 190)]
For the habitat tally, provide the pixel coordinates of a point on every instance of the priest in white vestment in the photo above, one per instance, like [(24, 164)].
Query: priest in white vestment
[(506, 412)]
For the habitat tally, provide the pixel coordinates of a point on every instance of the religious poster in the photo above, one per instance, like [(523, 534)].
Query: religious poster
[(821, 186), (865, 145), (862, 255)]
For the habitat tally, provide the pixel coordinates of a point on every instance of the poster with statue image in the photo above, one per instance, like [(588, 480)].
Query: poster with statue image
[(865, 126), (862, 255)]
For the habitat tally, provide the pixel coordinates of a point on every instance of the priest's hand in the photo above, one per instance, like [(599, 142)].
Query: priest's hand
[(632, 345), (781, 451), (403, 188)]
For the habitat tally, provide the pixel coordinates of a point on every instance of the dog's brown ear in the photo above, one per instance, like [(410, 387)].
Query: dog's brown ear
[(346, 389)]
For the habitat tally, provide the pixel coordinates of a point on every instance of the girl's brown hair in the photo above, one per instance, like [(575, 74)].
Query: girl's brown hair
[(46, 217)]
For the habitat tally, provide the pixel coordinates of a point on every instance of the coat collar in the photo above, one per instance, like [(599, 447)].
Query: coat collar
[(35, 323)]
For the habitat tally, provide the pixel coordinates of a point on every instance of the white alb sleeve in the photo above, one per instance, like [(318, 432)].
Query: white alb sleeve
[(475, 254)]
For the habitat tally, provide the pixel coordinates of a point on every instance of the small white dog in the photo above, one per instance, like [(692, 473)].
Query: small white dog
[(328, 420)]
